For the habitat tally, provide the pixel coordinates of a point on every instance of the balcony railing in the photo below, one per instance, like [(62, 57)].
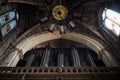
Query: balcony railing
[(60, 73)]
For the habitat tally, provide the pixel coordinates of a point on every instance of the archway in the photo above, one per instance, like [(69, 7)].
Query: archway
[(36, 39)]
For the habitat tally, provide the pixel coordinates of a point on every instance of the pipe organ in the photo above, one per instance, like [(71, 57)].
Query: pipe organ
[(76, 57)]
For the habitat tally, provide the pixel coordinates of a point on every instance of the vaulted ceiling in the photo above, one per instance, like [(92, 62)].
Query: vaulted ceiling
[(84, 14)]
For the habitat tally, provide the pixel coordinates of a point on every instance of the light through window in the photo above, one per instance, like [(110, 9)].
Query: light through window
[(112, 20), (8, 27), (8, 21), (7, 17)]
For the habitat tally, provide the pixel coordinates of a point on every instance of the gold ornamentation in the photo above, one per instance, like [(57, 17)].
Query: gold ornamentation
[(60, 12)]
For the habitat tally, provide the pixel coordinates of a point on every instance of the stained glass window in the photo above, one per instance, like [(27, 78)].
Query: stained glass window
[(114, 16), (8, 21), (7, 17), (112, 20), (8, 27)]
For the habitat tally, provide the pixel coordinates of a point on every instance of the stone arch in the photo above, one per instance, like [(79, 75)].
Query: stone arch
[(30, 42)]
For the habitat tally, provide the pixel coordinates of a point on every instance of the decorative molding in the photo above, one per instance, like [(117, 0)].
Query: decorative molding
[(20, 54)]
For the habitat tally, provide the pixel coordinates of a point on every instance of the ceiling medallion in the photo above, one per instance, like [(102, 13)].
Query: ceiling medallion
[(60, 12)]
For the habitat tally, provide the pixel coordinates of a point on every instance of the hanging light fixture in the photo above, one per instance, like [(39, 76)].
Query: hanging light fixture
[(72, 24), (60, 18), (44, 19), (77, 15), (62, 29)]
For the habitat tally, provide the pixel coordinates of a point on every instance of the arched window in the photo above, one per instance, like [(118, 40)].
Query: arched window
[(8, 21), (111, 20)]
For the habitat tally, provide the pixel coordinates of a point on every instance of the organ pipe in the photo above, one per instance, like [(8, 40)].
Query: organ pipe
[(90, 59), (75, 57), (30, 60), (60, 59), (45, 57)]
